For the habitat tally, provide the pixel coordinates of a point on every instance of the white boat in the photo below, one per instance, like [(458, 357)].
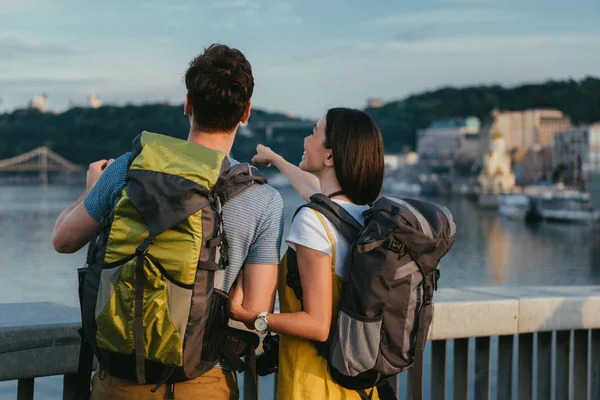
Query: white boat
[(396, 186), (489, 200), (514, 206), (278, 181), (568, 206)]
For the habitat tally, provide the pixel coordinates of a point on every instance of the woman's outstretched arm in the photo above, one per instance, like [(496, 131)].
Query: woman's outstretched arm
[(305, 183), (315, 321)]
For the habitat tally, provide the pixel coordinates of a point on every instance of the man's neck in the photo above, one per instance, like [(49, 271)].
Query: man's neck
[(220, 141)]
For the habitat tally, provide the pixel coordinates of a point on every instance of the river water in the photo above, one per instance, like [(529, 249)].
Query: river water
[(489, 251)]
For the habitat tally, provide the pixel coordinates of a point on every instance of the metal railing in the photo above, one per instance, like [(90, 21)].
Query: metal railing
[(504, 343)]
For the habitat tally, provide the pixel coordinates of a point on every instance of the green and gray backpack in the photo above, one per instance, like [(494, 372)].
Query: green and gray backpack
[(153, 294)]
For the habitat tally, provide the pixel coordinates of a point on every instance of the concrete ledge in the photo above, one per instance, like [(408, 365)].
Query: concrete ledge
[(459, 313), (38, 339), (492, 311), (41, 339)]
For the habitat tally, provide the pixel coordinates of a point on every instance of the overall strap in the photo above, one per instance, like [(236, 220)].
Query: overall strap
[(329, 236)]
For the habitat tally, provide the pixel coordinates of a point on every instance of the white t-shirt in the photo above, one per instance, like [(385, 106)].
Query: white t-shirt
[(307, 230)]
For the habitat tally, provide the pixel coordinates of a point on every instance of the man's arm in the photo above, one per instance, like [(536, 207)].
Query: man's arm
[(314, 321), (74, 227), (260, 271), (259, 285)]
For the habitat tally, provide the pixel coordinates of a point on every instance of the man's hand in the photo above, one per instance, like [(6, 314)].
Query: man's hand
[(94, 171), (74, 226)]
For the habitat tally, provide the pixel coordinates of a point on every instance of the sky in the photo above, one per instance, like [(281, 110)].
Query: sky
[(306, 55)]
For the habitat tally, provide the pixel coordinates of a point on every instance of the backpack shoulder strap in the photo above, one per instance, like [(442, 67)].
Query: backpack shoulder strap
[(136, 149), (341, 219), (236, 180), (425, 316)]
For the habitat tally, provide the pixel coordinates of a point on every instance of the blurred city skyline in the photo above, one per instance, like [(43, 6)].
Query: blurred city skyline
[(307, 56)]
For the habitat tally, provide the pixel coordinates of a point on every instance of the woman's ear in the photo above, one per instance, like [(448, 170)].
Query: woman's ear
[(329, 160)]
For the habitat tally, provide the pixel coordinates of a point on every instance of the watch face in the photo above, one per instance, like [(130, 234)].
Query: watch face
[(260, 324)]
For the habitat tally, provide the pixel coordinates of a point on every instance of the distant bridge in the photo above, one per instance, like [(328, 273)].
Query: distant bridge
[(42, 160)]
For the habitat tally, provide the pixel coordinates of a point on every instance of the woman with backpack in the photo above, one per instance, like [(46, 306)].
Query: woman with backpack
[(343, 159)]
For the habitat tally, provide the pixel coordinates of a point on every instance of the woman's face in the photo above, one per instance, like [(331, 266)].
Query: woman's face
[(315, 154)]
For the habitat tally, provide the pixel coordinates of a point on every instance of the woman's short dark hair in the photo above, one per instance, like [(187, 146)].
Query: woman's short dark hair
[(219, 83), (357, 149)]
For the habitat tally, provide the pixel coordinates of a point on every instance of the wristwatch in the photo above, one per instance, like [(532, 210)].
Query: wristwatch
[(260, 323)]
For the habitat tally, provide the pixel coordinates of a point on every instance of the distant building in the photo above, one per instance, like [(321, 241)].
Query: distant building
[(39, 102), (533, 165), (448, 142), (576, 152), (375, 102), (496, 176), (94, 101), (396, 161), (523, 129)]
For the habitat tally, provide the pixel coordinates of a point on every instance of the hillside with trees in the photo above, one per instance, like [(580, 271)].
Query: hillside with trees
[(84, 135)]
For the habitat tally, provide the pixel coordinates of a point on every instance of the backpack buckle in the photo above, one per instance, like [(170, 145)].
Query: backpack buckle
[(427, 299), (143, 248), (394, 246)]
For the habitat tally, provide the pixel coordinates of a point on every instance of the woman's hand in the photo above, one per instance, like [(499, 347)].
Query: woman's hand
[(264, 155)]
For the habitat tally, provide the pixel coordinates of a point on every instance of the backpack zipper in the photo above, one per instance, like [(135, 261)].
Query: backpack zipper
[(415, 328)]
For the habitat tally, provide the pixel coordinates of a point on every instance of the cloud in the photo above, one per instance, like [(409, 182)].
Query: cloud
[(341, 49), (294, 20), (461, 2), (257, 13), (49, 83), (283, 5), (493, 43), (224, 25), (171, 7), (444, 16), (10, 7), (11, 48), (231, 4)]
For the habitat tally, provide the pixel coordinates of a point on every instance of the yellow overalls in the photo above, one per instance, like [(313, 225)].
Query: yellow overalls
[(303, 374)]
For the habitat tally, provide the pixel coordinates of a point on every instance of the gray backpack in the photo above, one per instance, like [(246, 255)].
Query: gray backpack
[(386, 306)]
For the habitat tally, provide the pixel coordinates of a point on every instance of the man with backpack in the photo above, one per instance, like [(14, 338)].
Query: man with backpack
[(172, 224)]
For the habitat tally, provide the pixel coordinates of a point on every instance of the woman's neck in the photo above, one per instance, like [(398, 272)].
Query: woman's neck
[(329, 185)]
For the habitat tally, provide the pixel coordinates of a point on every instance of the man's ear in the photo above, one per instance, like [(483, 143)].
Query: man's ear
[(246, 115), (187, 106)]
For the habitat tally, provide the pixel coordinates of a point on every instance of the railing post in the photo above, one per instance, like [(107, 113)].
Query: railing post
[(461, 369), (482, 368), (544, 365), (580, 364), (394, 382), (563, 364), (409, 383), (595, 374), (505, 362), (525, 366), (25, 389), (438, 369), (69, 384), (249, 377)]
